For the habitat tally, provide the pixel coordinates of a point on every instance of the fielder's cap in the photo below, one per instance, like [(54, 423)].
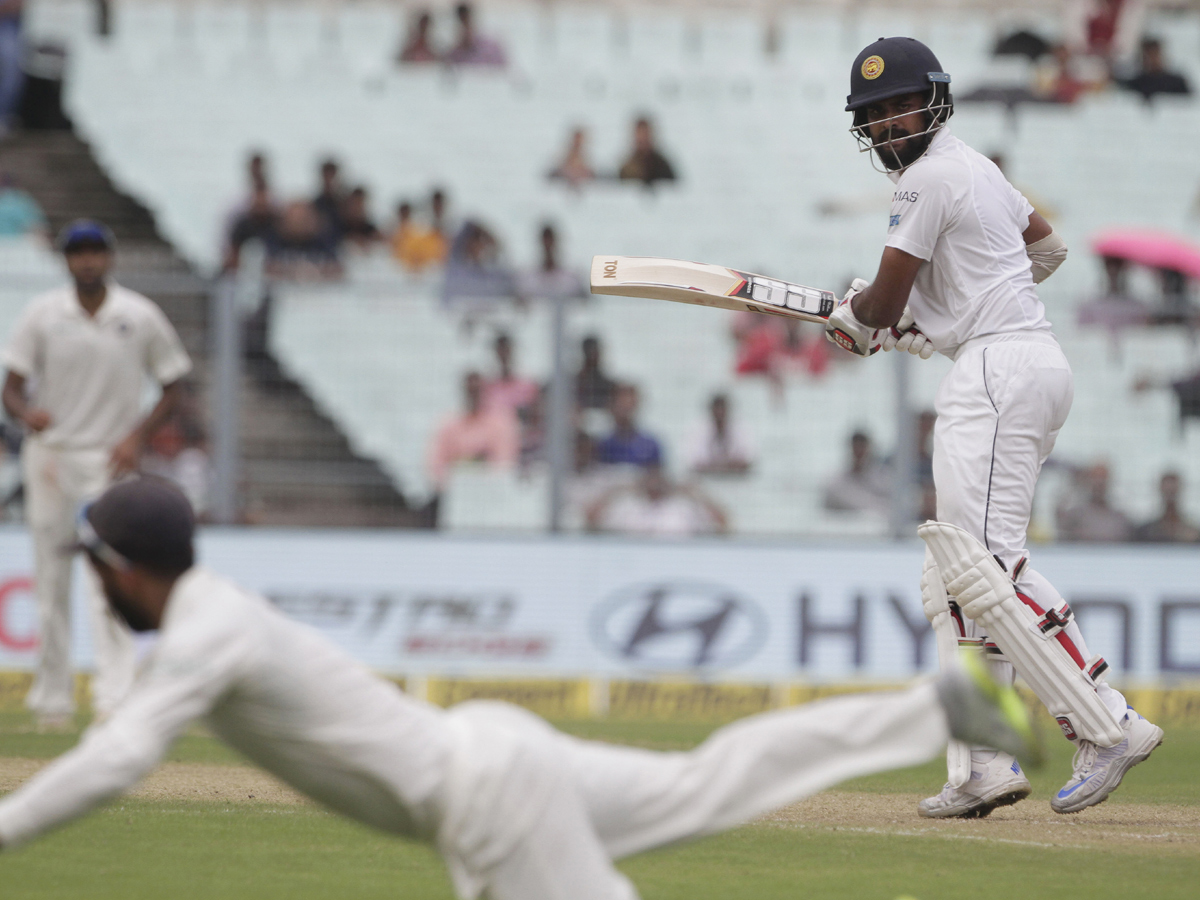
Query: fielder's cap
[(145, 521), (890, 67), (86, 233)]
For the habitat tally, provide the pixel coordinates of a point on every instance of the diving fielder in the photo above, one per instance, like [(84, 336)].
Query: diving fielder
[(963, 253), (518, 810)]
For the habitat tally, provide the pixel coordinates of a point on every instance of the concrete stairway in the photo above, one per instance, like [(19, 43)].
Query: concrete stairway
[(297, 467)]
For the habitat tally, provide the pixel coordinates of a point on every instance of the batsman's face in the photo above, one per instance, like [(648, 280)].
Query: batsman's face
[(897, 128)]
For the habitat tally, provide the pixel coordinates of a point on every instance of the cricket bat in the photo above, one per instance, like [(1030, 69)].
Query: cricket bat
[(707, 285)]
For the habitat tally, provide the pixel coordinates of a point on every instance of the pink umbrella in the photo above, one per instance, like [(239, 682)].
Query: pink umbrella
[(1145, 247)]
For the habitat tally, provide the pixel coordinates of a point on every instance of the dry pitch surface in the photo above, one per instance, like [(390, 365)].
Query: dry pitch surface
[(1130, 826)]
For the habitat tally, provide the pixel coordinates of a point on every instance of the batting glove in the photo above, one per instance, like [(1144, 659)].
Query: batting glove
[(904, 335), (844, 329)]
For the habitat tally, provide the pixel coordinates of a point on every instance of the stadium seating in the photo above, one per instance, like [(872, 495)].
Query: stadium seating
[(761, 145)]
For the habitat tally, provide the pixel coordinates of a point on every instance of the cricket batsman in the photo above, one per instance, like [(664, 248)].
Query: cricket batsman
[(518, 810), (963, 255)]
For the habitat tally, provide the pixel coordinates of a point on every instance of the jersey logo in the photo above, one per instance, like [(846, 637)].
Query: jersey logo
[(893, 221), (872, 67), (910, 196)]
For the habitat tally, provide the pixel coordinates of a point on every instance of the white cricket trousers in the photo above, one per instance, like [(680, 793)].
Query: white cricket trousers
[(535, 814), (999, 411), (57, 483)]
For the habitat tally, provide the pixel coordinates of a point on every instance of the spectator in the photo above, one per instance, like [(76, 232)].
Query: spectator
[(478, 435), (1059, 81), (1116, 308), (417, 46), (1176, 307), (865, 486), (575, 170), (1186, 389), (1171, 526), (654, 507), (258, 222), (19, 212), (418, 248), (476, 277), (772, 347), (1154, 78), (330, 200), (177, 454), (593, 388), (720, 447), (12, 73), (627, 444), (1087, 515), (357, 226), (508, 390), (471, 48), (1106, 29), (645, 163), (549, 281), (305, 249)]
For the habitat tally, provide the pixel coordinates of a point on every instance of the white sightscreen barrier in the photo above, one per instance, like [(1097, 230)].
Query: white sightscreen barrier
[(431, 605)]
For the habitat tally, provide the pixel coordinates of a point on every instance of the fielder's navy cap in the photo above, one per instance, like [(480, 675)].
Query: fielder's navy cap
[(85, 233), (145, 521)]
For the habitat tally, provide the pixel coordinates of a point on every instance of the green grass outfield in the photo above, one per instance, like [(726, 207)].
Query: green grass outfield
[(182, 849)]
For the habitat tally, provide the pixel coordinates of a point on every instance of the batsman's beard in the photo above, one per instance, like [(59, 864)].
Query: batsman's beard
[(899, 151)]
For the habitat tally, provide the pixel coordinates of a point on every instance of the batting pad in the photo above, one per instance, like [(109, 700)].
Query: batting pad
[(945, 632), (986, 594)]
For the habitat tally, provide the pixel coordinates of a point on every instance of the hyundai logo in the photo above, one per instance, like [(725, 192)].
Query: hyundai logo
[(678, 624)]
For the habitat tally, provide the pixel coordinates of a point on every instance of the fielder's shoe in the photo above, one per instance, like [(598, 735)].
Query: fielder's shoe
[(1098, 770), (996, 780), (984, 713)]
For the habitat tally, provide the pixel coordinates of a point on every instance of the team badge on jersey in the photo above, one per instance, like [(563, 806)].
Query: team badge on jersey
[(893, 221), (872, 67)]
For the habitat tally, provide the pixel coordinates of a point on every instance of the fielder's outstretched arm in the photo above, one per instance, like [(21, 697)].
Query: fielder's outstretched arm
[(881, 304), (181, 683)]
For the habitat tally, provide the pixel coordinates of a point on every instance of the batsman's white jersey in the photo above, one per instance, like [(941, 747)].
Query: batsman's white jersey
[(518, 810), (1002, 404), (954, 209)]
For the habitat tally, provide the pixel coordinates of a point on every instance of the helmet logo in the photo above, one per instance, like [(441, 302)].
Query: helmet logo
[(872, 67)]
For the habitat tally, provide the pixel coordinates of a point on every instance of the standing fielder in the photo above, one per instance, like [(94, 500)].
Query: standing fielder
[(77, 365), (963, 254), (518, 810)]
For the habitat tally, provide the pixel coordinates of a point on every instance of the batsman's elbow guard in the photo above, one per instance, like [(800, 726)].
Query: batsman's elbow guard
[(1045, 256)]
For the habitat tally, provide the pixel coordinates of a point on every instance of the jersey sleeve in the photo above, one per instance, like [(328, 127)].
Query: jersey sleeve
[(185, 676), (23, 348), (924, 204), (166, 359)]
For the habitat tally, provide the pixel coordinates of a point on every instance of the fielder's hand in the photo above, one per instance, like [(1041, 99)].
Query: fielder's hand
[(904, 335), (844, 329)]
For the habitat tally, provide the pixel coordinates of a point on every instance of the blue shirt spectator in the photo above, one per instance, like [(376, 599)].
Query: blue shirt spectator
[(627, 445), (19, 212)]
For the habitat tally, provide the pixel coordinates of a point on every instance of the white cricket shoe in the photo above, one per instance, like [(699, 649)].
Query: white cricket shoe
[(996, 780), (1098, 770)]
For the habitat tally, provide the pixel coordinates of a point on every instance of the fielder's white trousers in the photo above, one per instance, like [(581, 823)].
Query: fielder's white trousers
[(999, 411), (57, 483), (534, 814)]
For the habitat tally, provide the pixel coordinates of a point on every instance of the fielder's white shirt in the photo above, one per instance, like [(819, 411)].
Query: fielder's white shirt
[(271, 688), (89, 372), (954, 209)]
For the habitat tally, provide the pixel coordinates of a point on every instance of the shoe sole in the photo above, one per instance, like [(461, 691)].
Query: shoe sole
[(984, 809), (1121, 768)]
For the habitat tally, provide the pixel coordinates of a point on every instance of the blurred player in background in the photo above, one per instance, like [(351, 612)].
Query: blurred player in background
[(518, 810), (85, 351), (963, 254)]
